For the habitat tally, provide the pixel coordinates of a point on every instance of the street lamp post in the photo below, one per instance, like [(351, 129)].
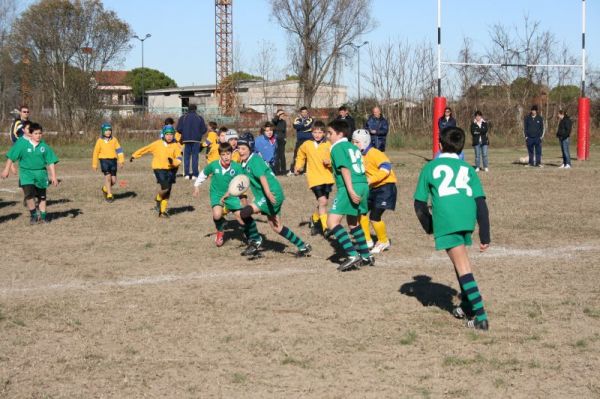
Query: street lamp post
[(357, 48), (143, 92)]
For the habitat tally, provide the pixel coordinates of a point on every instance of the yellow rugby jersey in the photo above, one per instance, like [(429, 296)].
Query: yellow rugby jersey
[(378, 168), (312, 154), (213, 154), (235, 156), (161, 152), (107, 149), (212, 138)]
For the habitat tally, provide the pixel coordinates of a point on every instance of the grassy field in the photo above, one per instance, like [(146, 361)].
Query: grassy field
[(109, 301)]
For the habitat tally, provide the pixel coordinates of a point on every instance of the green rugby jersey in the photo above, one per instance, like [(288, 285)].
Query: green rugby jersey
[(32, 157), (255, 167), (346, 155), (221, 176), (453, 186)]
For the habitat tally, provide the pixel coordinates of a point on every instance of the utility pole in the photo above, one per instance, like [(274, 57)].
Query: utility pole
[(148, 35), (357, 48)]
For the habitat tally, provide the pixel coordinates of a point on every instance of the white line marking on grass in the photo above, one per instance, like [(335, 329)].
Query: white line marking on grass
[(156, 279), (503, 252), (8, 190)]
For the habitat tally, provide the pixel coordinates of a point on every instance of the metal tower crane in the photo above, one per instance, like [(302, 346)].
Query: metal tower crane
[(224, 55)]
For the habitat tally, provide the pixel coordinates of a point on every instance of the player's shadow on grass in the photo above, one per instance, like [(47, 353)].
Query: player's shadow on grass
[(71, 213), (57, 201), (126, 194), (10, 216), (4, 204), (181, 209), (339, 254), (429, 293)]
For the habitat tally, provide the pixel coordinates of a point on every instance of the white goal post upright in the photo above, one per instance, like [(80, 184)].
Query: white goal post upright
[(583, 117)]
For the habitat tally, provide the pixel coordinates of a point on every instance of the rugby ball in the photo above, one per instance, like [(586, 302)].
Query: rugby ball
[(239, 185)]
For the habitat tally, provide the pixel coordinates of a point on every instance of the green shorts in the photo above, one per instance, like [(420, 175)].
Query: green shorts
[(266, 207), (35, 177), (453, 240), (343, 205), (231, 203)]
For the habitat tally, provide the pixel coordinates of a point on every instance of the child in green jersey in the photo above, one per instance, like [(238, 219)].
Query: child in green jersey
[(36, 160), (268, 199), (457, 202), (221, 172), (351, 198)]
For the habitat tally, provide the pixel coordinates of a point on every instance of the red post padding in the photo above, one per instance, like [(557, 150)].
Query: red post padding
[(583, 129), (439, 104)]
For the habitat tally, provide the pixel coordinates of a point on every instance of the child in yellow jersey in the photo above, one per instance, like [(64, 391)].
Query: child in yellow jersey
[(212, 138), (382, 189), (314, 157), (232, 138), (108, 151), (166, 157), (213, 151)]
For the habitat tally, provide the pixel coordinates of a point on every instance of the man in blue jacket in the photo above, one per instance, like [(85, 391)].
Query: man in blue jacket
[(192, 128), (533, 130), (378, 127), (303, 125)]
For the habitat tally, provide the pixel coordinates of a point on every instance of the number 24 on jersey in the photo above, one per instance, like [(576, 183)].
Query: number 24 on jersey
[(451, 184)]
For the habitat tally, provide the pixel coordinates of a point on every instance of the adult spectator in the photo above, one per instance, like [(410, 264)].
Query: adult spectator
[(344, 115), (303, 125), (479, 132), (446, 120), (192, 128), (378, 127), (563, 133), (533, 130), (16, 129), (280, 128)]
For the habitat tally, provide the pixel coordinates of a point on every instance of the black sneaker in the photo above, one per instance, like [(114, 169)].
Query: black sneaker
[(252, 249), (157, 205), (328, 234), (315, 228), (462, 312), (353, 262), (110, 199), (33, 220), (164, 214), (302, 252), (478, 325), (370, 261)]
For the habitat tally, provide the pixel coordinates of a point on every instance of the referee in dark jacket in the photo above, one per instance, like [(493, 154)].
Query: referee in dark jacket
[(192, 128)]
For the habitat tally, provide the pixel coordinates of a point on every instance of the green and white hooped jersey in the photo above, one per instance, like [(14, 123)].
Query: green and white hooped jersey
[(453, 186), (346, 155)]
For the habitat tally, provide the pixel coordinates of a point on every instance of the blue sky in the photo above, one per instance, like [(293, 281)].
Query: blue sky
[(182, 42)]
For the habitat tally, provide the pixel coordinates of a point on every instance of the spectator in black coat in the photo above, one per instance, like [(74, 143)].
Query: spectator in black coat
[(533, 130), (446, 120), (479, 132), (343, 115), (563, 133), (280, 135)]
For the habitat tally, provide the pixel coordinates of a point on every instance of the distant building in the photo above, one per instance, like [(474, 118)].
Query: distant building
[(115, 94), (256, 95)]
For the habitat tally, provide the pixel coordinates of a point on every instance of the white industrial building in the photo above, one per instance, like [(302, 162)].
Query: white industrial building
[(261, 96)]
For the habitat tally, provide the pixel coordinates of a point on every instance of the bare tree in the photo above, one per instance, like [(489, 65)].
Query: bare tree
[(320, 33), (67, 41), (8, 85), (265, 69)]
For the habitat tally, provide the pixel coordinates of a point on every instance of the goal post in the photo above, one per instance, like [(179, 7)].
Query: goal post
[(583, 106)]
